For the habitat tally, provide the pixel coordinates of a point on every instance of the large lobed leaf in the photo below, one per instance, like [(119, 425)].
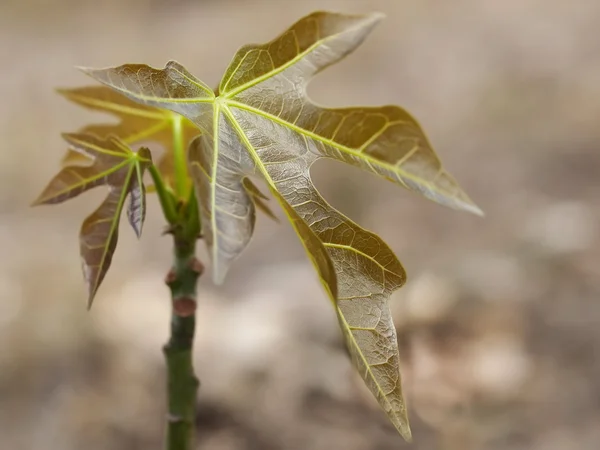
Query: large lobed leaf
[(114, 165), (262, 123)]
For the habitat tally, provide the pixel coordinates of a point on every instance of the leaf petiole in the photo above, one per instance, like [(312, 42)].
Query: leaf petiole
[(179, 156)]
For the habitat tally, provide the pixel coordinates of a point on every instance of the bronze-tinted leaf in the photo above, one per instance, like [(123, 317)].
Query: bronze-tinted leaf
[(114, 165), (172, 88), (262, 123), (137, 123)]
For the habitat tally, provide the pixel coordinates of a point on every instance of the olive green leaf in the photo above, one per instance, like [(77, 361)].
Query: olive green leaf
[(114, 165), (260, 122)]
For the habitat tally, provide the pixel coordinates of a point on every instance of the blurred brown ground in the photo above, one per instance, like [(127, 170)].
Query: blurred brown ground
[(499, 323)]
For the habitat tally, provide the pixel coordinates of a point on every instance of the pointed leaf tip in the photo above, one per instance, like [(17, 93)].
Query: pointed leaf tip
[(470, 207), (84, 69), (377, 16), (90, 301), (36, 202), (218, 278), (477, 211), (61, 91)]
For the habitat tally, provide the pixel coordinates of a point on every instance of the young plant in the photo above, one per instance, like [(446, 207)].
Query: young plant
[(258, 123)]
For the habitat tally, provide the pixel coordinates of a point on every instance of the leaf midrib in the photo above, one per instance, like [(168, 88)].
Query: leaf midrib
[(86, 144), (156, 99), (363, 254), (213, 182), (148, 132), (361, 155), (87, 181), (263, 171), (229, 94), (114, 107)]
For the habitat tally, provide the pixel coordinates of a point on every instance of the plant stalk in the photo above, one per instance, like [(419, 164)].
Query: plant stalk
[(179, 157), (182, 384)]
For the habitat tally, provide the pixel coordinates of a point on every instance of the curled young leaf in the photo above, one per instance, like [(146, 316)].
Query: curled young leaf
[(114, 165), (262, 123), (258, 198)]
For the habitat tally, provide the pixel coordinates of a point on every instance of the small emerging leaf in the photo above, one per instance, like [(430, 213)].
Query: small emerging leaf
[(262, 123), (138, 123), (258, 198), (114, 165)]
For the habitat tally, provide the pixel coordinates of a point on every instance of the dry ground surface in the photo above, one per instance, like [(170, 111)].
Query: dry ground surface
[(499, 323)]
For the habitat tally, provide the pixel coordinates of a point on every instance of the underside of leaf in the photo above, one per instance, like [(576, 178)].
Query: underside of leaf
[(261, 123), (359, 272)]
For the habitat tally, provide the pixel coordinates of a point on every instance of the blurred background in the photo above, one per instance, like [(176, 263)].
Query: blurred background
[(499, 323)]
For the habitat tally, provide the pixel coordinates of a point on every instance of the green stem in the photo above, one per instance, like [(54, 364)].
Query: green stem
[(181, 211), (179, 157), (182, 384), (165, 197)]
